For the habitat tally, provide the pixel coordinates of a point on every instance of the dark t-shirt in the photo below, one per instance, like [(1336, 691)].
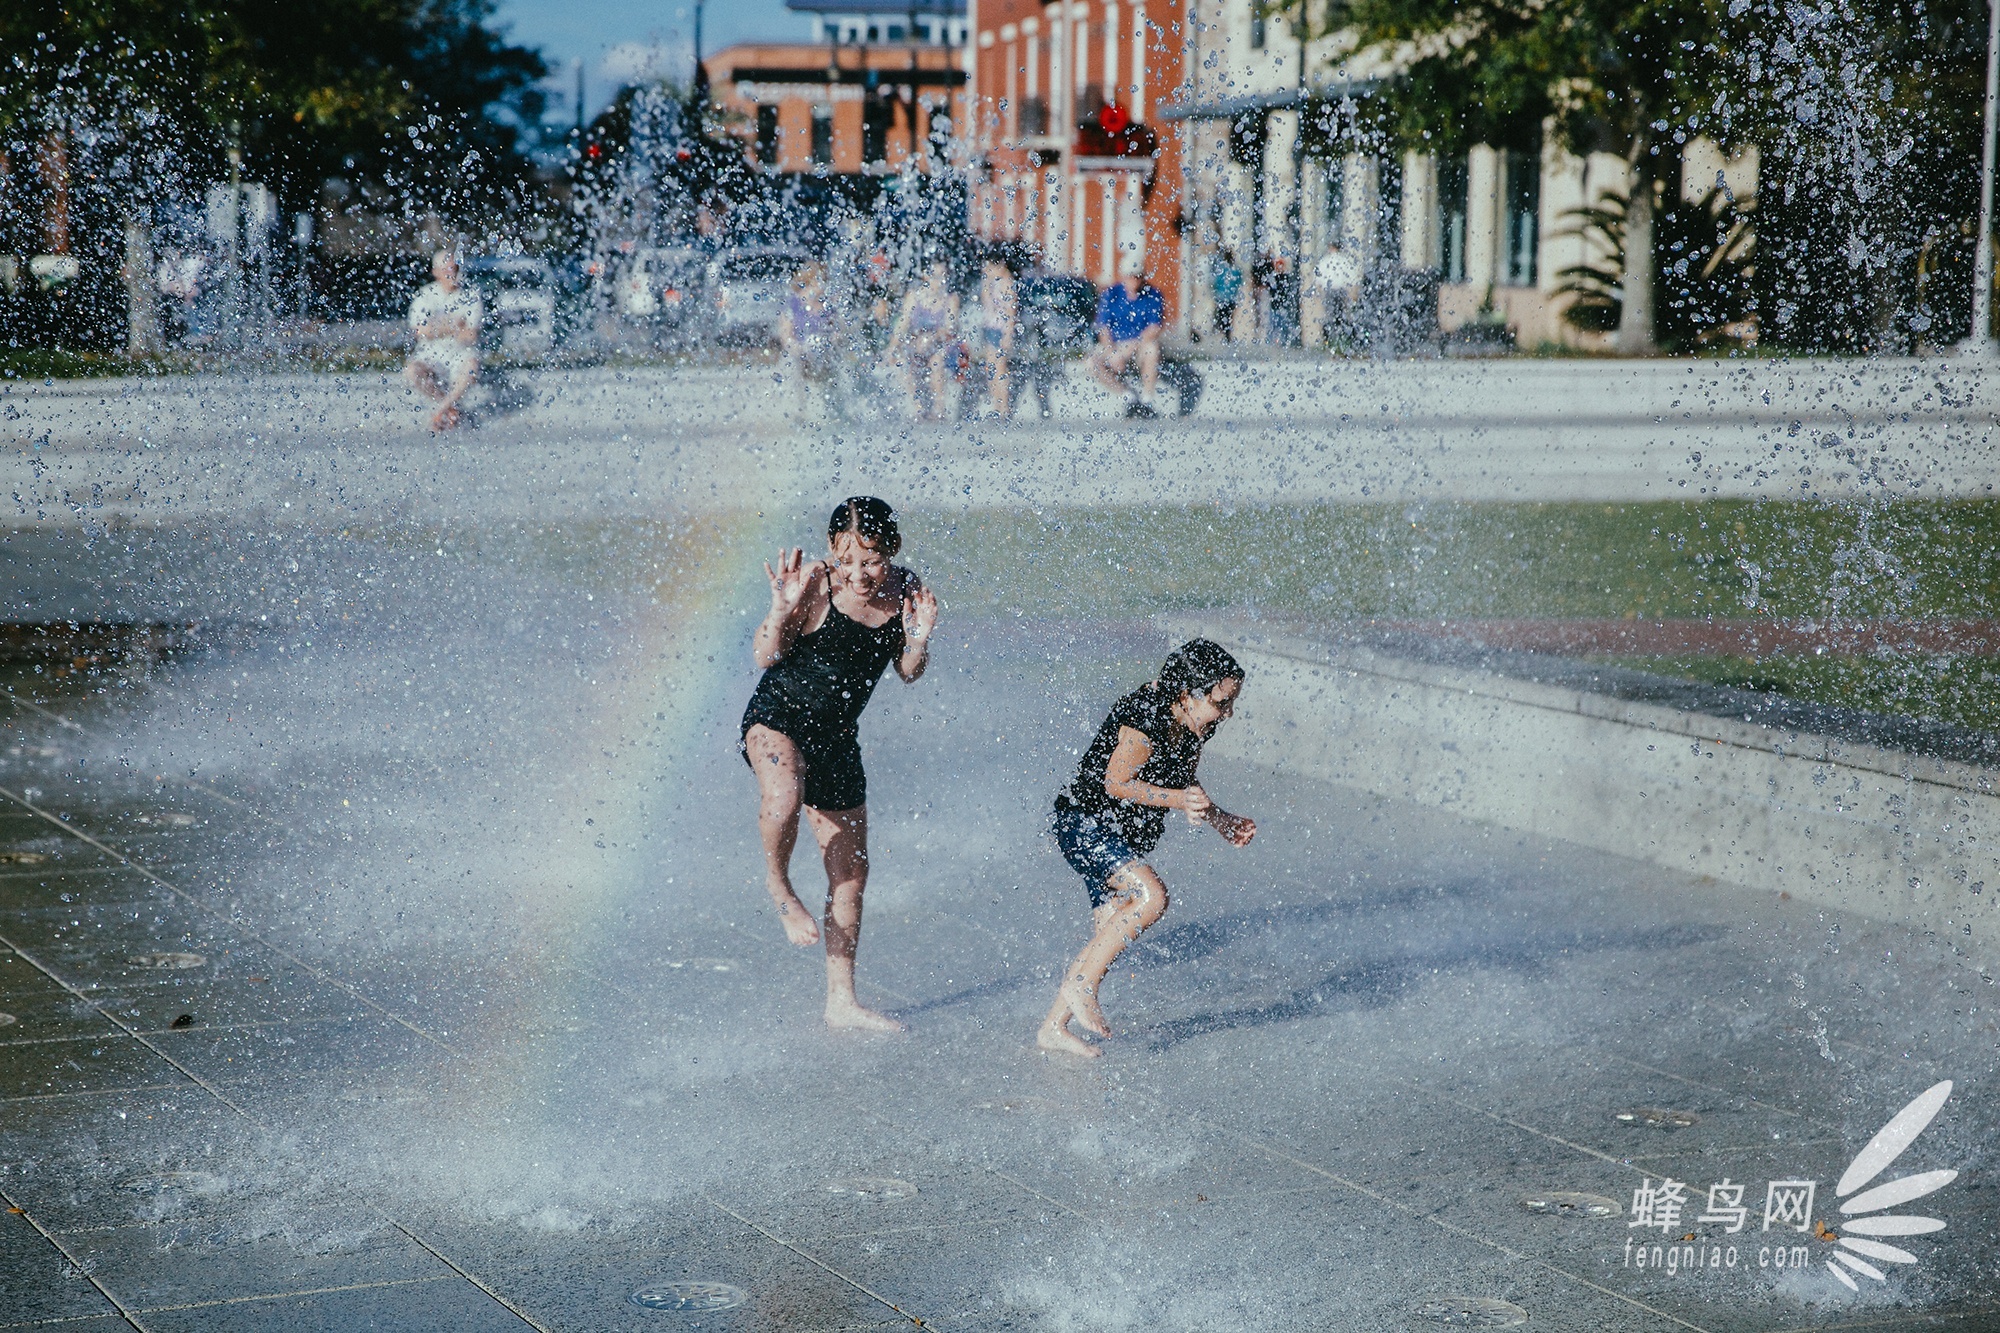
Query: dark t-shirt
[(1176, 751)]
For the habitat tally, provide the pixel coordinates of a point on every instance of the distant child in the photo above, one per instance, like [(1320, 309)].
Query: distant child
[(834, 626), (1141, 765)]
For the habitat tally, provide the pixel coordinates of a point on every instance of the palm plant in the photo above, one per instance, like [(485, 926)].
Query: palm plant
[(1703, 264)]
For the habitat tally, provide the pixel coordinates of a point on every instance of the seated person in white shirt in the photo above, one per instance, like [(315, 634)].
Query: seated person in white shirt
[(446, 318)]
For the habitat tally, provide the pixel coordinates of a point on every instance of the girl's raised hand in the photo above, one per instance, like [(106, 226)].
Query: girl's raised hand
[(920, 613), (1237, 830), (790, 581)]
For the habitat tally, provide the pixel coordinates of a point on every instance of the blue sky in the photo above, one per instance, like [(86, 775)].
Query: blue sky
[(615, 38)]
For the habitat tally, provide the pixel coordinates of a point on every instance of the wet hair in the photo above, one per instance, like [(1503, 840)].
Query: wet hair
[(1196, 667), (869, 519)]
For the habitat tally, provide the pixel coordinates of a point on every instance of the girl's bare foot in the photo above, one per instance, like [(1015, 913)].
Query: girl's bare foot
[(800, 928), (851, 1015), (1083, 1008), (1058, 1038)]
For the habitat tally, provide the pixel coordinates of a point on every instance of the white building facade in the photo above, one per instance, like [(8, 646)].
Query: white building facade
[(1498, 225)]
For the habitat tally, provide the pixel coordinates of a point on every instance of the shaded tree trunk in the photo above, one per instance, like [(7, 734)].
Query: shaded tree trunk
[(142, 296), (53, 167), (1635, 316)]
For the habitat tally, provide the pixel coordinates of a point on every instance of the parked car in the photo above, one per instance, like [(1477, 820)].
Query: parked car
[(663, 284), (520, 296), (747, 290)]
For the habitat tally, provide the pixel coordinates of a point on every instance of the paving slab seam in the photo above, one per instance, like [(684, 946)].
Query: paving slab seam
[(93, 1092), (1710, 1087), (331, 980), (247, 1117), (1640, 1159), (1497, 1118), (57, 1041), (192, 1027), (202, 787), (918, 1133), (14, 1206), (460, 1269), (1407, 1211), (124, 1027), (1023, 1185), (60, 1319), (816, 1261), (1103, 1215), (1881, 1054), (889, 991), (1903, 1321), (292, 1295)]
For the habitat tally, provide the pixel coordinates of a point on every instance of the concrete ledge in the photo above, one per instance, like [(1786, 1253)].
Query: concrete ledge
[(1889, 833)]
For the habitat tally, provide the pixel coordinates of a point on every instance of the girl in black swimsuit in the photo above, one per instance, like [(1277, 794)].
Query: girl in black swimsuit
[(1109, 819), (834, 626)]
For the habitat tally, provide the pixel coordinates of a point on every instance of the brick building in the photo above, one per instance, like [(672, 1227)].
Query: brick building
[(861, 96), (1071, 153), (1188, 131)]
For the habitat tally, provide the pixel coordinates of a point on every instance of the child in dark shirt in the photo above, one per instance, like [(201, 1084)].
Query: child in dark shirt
[(1141, 765)]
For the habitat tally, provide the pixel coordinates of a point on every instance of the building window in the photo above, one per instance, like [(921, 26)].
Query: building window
[(767, 135), (895, 32), (874, 33), (877, 115), (1034, 114), (1524, 208), (822, 141), (1257, 29), (1453, 186)]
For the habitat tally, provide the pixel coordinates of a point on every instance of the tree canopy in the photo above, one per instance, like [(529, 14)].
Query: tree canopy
[(1606, 74), (423, 91), (1865, 114)]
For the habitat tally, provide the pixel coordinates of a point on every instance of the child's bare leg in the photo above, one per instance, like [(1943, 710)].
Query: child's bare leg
[(843, 840), (424, 380), (447, 414), (774, 757), (1139, 898), (1054, 1034)]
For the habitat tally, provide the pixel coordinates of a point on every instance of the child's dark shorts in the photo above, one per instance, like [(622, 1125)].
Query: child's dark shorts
[(831, 758), (1094, 850)]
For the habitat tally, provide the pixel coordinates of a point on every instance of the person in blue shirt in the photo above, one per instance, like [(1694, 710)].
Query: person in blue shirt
[(1130, 317)]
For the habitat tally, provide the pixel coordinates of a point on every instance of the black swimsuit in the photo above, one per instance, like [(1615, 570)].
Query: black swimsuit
[(815, 695)]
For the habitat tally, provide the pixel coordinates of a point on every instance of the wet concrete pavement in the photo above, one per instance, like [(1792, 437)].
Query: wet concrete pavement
[(590, 443), (411, 970)]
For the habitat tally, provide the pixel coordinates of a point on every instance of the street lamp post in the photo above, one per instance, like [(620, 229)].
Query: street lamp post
[(1981, 341)]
